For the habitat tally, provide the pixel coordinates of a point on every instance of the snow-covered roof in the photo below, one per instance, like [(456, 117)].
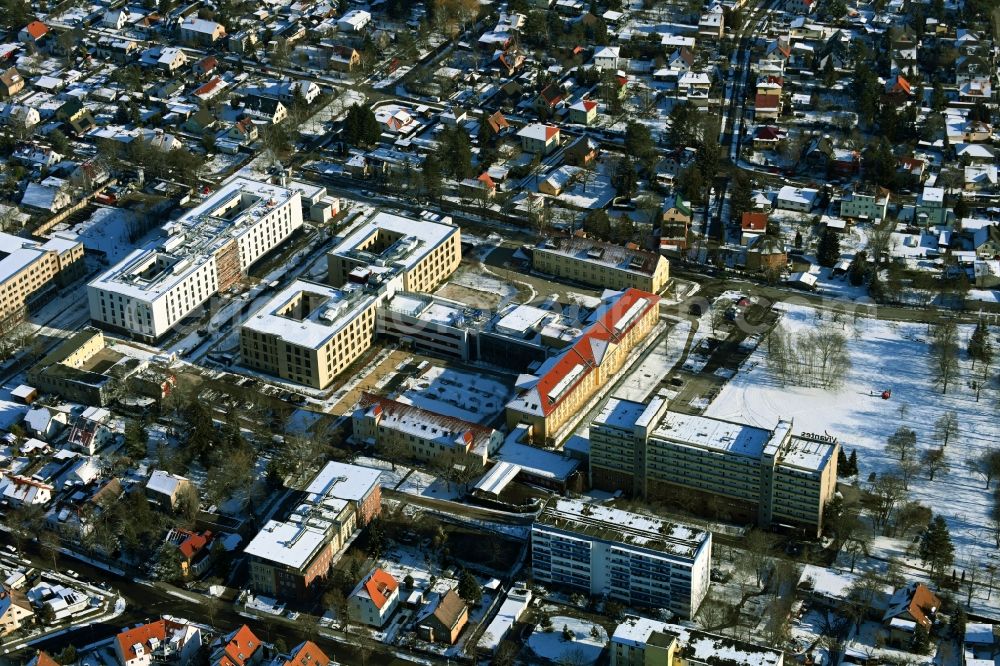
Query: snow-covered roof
[(163, 482), (697, 646), (604, 523), (347, 482)]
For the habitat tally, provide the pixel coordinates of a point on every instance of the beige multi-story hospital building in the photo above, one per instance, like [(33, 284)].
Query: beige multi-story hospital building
[(771, 476)]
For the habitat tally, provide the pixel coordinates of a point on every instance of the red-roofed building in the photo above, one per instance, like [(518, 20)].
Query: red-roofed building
[(583, 112), (908, 607), (306, 654), (767, 107), (33, 33), (241, 648), (375, 599), (897, 92), (564, 384), (421, 434), (156, 641), (754, 222), (205, 67), (195, 550)]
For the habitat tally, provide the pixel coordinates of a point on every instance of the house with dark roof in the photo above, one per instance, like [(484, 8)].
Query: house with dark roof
[(11, 82), (262, 107), (76, 117), (446, 621), (375, 599)]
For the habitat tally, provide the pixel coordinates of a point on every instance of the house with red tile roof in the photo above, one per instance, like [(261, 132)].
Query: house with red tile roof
[(304, 654), (240, 648), (583, 112), (195, 550), (564, 384), (909, 607), (34, 33), (375, 599), (538, 138), (155, 641), (756, 222)]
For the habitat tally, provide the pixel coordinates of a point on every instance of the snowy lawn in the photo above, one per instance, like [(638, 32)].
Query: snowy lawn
[(884, 355), (584, 648)]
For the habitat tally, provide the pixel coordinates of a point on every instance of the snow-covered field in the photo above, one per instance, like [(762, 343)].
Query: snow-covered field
[(884, 355)]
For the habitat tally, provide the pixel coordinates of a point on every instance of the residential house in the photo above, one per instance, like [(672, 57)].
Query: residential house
[(19, 116), (766, 253), (304, 654), (23, 491), (344, 58), (975, 153), (205, 67), (497, 123), (558, 180), (42, 157), (909, 607), (980, 177), (375, 599), (42, 659), (446, 621), (712, 23), (930, 209), (481, 187), (538, 138), (581, 152), (694, 85), (201, 32), (14, 610), (608, 57), (675, 221), (11, 82), (265, 108), (802, 199), (550, 98), (239, 648), (583, 112), (45, 422), (898, 92), (195, 549), (354, 21), (76, 117), (115, 18), (986, 241), (865, 204), (34, 34), (171, 59), (91, 430), (753, 222), (166, 490), (157, 642), (766, 137)]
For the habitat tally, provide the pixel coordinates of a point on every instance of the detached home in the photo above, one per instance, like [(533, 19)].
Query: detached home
[(538, 138), (375, 599)]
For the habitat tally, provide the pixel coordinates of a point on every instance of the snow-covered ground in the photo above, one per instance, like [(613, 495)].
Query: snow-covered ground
[(107, 230), (884, 355), (584, 648)]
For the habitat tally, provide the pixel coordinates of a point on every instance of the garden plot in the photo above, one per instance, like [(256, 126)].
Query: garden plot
[(585, 646), (884, 356), (464, 395)]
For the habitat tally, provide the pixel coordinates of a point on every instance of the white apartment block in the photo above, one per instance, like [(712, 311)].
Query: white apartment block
[(640, 560), (772, 476), (206, 252)]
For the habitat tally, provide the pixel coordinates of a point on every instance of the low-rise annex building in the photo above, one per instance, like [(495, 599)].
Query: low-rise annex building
[(601, 264)]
